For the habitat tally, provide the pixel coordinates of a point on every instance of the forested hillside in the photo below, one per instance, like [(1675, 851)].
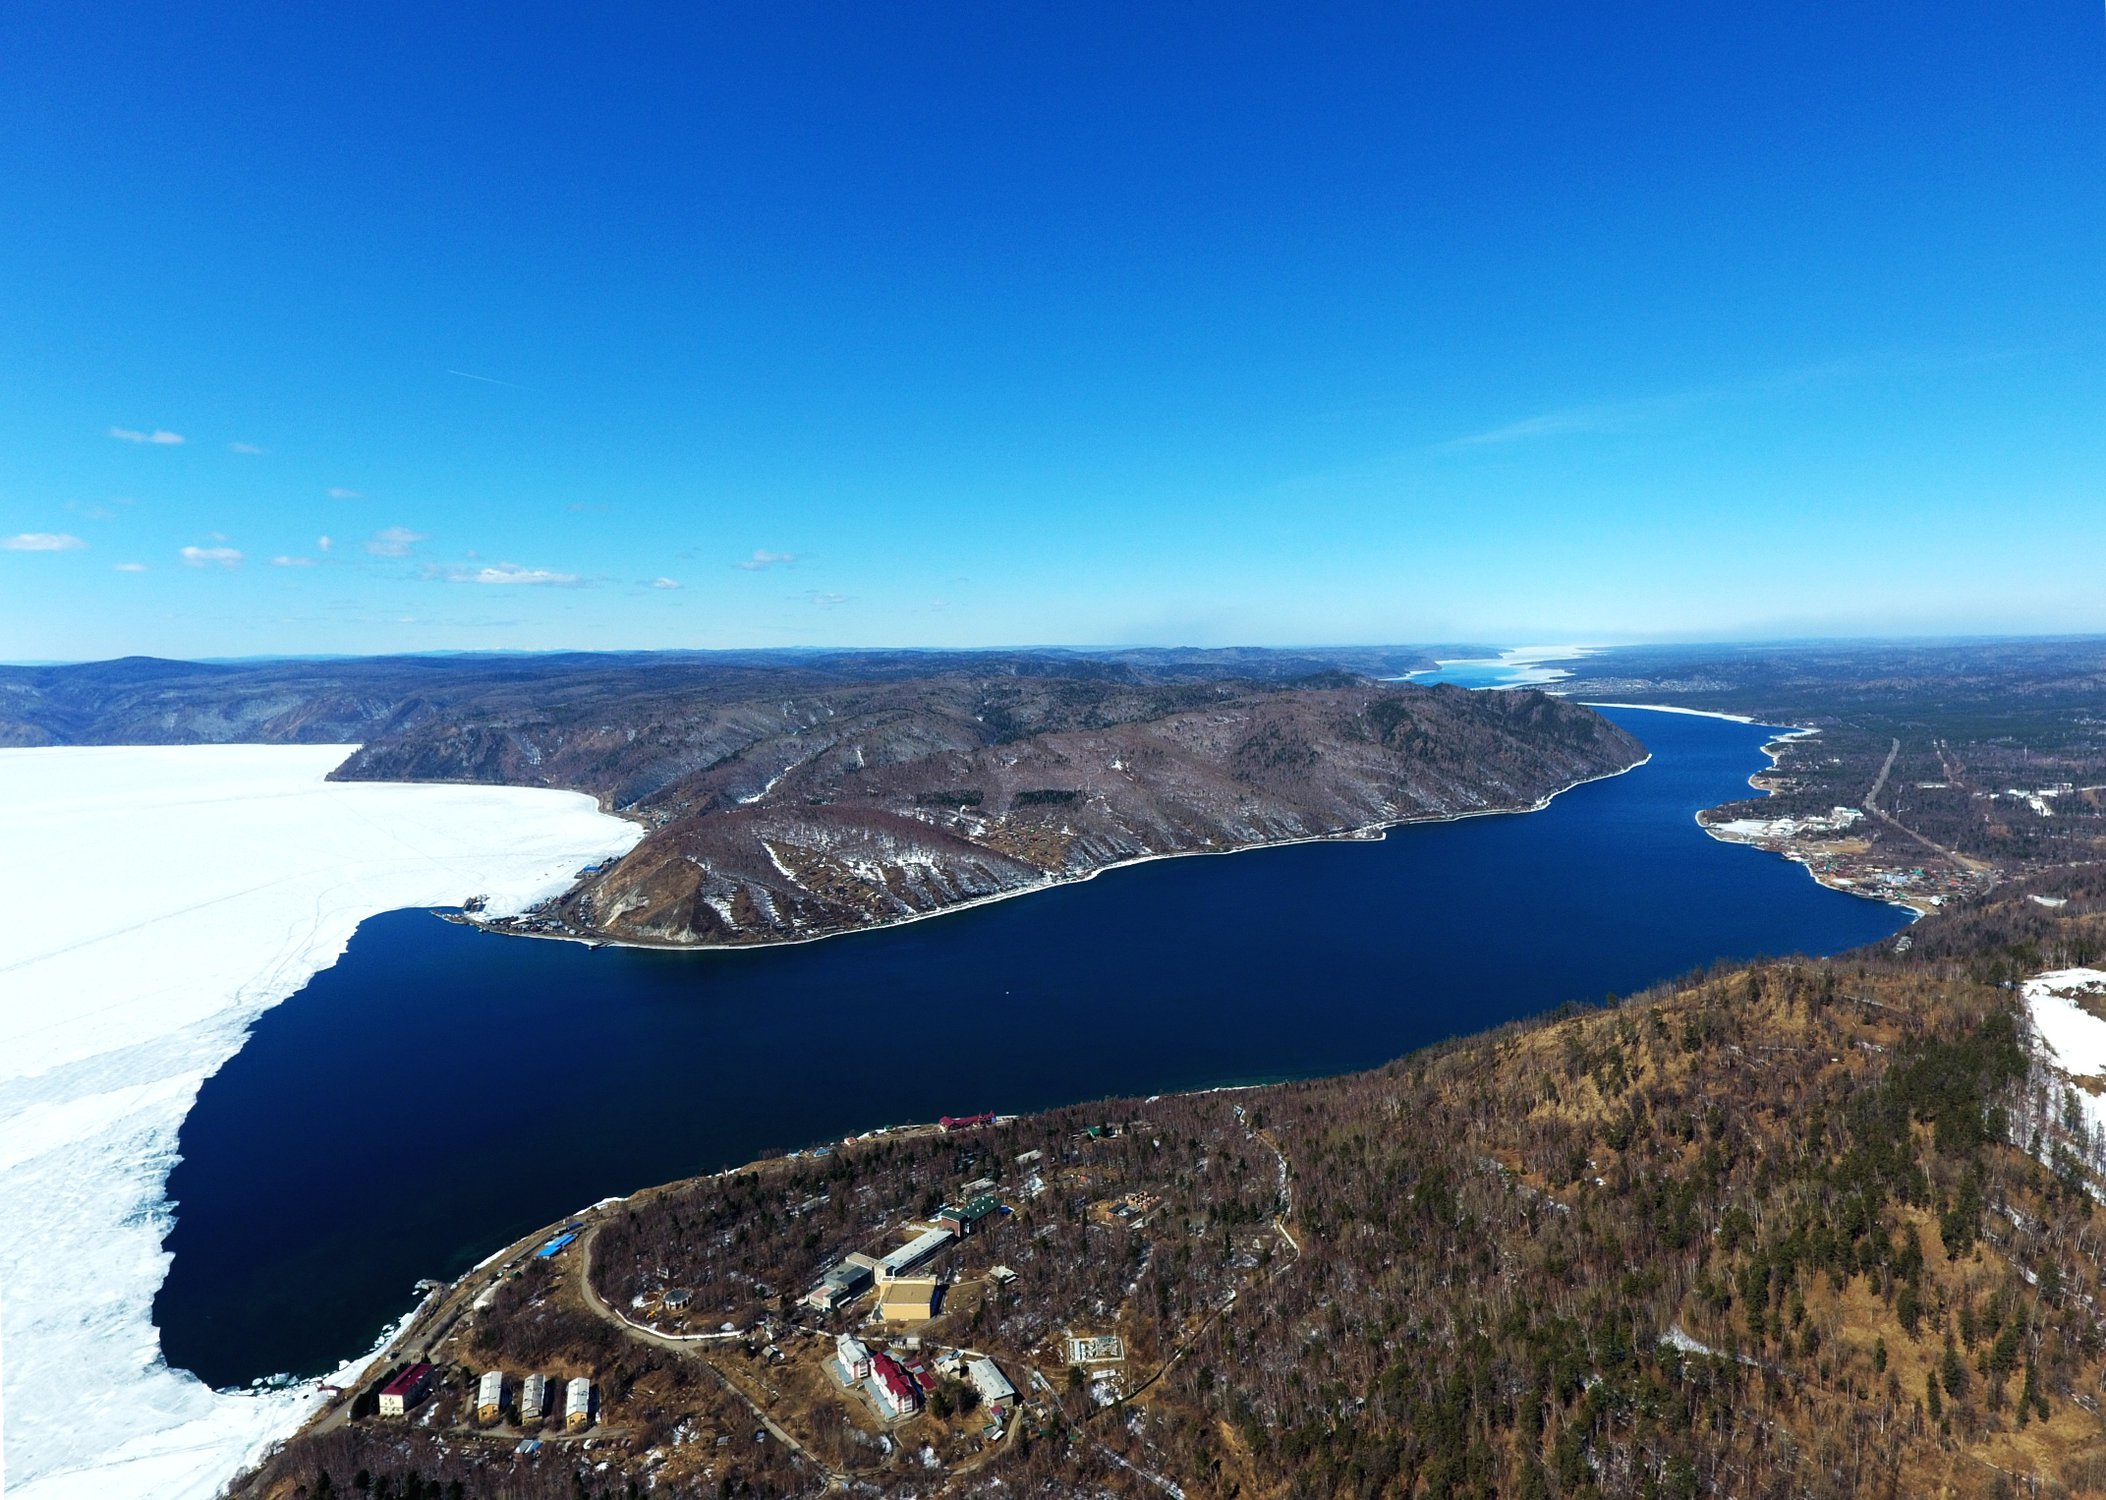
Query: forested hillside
[(1801, 1228)]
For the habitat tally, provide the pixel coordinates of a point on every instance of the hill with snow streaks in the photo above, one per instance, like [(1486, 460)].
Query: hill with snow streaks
[(793, 795), (834, 811)]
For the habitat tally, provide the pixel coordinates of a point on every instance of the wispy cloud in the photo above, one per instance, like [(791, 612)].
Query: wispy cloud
[(282, 561), (1574, 421), (765, 559), (250, 449), (207, 557), (826, 601), (42, 541), (394, 541), (129, 567), (159, 435), (501, 573), (1606, 417), (336, 493), (665, 583), (323, 543), (485, 379)]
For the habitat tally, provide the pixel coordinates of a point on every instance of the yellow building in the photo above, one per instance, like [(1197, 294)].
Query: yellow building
[(909, 1299)]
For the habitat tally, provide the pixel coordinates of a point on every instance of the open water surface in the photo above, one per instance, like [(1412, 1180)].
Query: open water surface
[(441, 1091)]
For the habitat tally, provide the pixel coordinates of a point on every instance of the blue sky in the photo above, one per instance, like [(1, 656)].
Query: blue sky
[(783, 324)]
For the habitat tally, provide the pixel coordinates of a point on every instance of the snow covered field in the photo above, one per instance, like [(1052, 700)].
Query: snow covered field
[(153, 901), (2074, 1037)]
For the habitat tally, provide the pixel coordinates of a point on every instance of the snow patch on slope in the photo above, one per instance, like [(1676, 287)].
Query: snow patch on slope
[(2074, 1038)]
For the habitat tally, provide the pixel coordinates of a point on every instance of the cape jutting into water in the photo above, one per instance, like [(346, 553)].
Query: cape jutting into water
[(441, 1091)]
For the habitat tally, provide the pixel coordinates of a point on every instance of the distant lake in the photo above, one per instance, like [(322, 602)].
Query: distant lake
[(441, 1091)]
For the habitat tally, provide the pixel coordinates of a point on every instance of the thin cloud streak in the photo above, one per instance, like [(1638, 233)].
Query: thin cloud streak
[(486, 379), (1589, 419), (160, 436), (512, 573), (43, 541), (765, 559), (1575, 421)]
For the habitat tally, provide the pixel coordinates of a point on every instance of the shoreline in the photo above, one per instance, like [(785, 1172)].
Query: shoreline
[(412, 1324), (1366, 833), (247, 872), (1770, 748)]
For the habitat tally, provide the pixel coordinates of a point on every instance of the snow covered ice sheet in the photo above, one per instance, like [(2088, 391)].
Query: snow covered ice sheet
[(153, 901)]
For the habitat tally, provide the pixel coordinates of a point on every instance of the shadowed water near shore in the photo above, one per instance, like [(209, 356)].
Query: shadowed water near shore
[(441, 1091)]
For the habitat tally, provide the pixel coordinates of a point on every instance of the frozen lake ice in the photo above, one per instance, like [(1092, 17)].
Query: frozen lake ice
[(153, 902)]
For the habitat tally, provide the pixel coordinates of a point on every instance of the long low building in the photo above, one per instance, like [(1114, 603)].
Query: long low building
[(490, 1396), (533, 1398), (913, 1253), (577, 1404), (405, 1390)]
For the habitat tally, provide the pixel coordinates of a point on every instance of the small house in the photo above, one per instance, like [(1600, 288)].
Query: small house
[(406, 1390), (490, 1396), (577, 1405)]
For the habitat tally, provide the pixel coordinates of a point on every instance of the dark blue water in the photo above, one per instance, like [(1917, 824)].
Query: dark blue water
[(441, 1091)]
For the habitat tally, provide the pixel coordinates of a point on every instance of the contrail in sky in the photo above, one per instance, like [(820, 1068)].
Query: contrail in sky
[(485, 379)]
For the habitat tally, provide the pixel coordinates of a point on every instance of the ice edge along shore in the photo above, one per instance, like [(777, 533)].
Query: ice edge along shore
[(224, 878)]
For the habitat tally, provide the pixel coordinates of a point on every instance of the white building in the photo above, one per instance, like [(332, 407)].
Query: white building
[(577, 1404), (996, 1393), (913, 1253), (533, 1398), (854, 1356), (490, 1396)]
